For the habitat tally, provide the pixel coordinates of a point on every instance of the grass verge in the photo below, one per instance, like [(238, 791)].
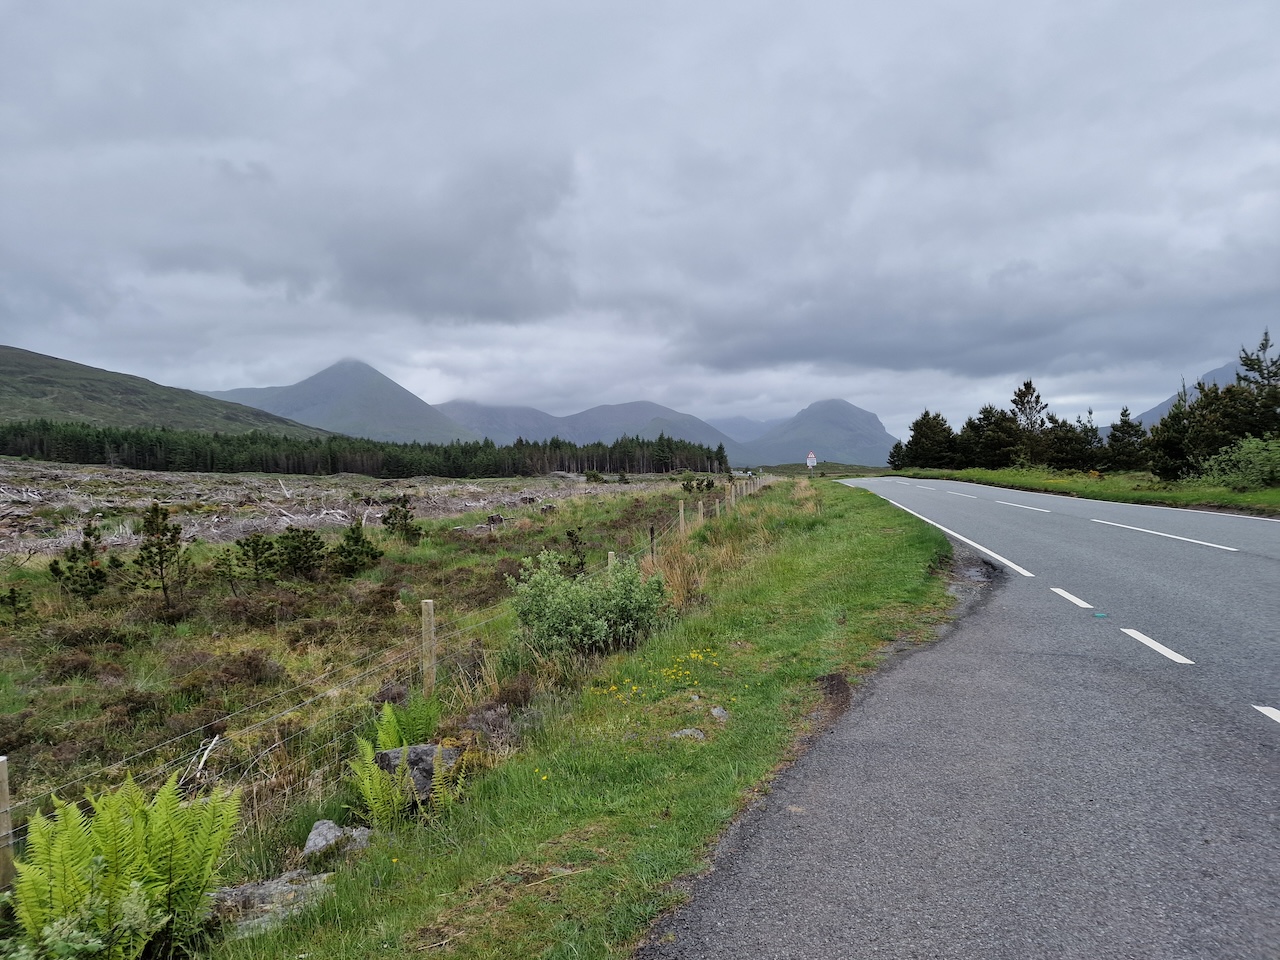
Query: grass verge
[(568, 848), (1122, 487)]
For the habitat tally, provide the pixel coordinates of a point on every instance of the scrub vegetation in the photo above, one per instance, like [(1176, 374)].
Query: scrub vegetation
[(270, 659), (568, 847), (612, 719)]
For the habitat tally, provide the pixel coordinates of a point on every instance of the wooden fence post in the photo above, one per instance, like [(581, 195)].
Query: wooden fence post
[(699, 513), (428, 647), (6, 828), (612, 559), (682, 530)]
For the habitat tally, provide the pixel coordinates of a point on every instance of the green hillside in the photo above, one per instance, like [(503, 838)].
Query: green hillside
[(34, 386)]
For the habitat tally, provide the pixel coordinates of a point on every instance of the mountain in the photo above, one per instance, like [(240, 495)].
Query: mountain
[(744, 429), (353, 398), (34, 386), (1222, 376), (835, 430), (606, 423), (641, 418), (503, 425)]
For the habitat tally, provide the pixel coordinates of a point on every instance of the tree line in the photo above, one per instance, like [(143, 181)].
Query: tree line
[(160, 448), (1211, 434)]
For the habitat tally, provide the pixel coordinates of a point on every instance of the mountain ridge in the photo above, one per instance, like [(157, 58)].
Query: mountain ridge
[(1222, 376), (35, 386), (835, 429), (352, 398)]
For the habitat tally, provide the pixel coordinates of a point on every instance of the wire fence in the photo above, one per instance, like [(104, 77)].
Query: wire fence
[(297, 741)]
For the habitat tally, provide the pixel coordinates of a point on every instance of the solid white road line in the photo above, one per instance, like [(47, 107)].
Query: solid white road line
[(1024, 506), (1271, 712), (977, 546), (1157, 533), (1076, 600), (1157, 647), (969, 496)]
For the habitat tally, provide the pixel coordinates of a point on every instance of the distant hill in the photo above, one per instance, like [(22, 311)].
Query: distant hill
[(353, 398), (835, 430), (604, 423), (643, 419), (34, 386), (1222, 376), (503, 424), (744, 429)]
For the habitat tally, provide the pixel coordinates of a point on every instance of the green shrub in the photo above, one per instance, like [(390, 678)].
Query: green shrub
[(399, 520), (354, 552), (16, 602), (1251, 464), (567, 615), (257, 555), (82, 571), (631, 606), (162, 563), (299, 553)]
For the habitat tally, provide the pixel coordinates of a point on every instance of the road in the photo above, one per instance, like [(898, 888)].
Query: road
[(1088, 766)]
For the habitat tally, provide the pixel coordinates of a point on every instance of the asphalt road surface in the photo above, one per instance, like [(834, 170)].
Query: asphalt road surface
[(1087, 766)]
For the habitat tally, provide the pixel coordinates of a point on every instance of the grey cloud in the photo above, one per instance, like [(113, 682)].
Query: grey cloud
[(735, 191), (478, 247)]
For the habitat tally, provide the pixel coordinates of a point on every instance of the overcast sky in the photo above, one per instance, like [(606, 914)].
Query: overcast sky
[(727, 207)]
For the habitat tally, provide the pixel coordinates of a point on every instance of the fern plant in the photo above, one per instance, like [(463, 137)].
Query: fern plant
[(414, 722), (447, 780), (387, 797), (185, 843), (135, 874), (390, 797)]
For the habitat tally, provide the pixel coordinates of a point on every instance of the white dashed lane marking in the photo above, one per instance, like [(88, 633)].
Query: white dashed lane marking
[(977, 546), (1159, 648), (1074, 599), (1023, 506), (1157, 533)]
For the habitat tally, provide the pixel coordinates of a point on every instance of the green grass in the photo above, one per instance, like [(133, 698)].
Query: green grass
[(567, 849), (122, 645), (1123, 487)]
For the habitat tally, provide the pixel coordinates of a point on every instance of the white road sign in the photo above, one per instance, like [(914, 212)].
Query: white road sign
[(811, 460)]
